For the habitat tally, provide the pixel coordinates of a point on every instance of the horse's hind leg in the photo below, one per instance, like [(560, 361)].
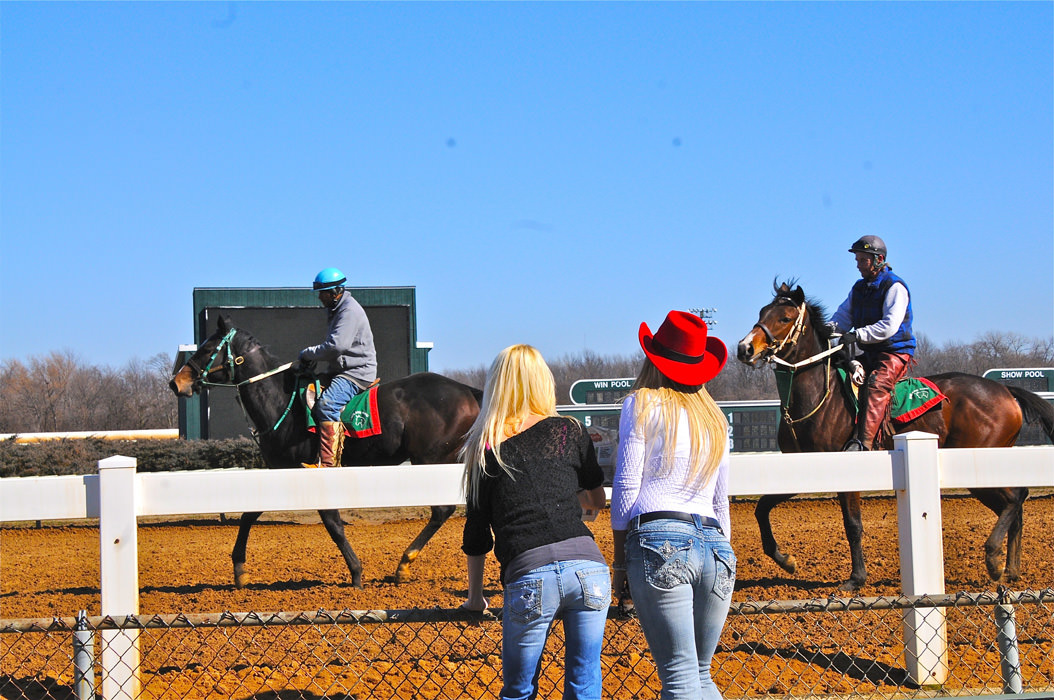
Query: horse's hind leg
[(1013, 536), (854, 532), (440, 514), (1007, 505), (768, 542), (238, 553), (996, 501), (335, 527)]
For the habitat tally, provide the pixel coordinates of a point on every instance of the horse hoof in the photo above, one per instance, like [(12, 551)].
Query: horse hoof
[(790, 564), (241, 581), (850, 586)]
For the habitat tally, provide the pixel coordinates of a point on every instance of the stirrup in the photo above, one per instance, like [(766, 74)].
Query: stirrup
[(854, 445)]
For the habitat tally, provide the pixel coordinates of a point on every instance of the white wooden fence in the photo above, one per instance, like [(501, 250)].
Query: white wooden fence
[(915, 469)]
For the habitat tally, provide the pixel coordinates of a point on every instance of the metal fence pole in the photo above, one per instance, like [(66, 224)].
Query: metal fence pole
[(83, 658), (1006, 636)]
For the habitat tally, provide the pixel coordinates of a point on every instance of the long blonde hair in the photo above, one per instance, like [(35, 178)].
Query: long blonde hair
[(519, 384), (654, 393)]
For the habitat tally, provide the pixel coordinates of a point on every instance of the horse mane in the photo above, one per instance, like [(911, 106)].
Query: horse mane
[(816, 310), (249, 342)]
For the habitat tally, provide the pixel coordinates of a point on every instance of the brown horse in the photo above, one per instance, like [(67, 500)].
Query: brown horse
[(424, 418), (816, 416)]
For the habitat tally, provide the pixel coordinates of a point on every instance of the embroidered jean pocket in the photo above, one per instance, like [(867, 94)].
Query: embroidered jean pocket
[(666, 559), (523, 600), (596, 587), (725, 575)]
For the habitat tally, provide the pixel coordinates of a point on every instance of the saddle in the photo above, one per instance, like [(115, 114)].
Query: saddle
[(912, 396), (360, 417)]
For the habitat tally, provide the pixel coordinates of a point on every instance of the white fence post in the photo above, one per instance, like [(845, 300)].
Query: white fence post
[(119, 575), (921, 556)]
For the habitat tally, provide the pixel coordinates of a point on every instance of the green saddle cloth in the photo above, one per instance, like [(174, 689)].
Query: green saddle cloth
[(912, 396), (360, 416)]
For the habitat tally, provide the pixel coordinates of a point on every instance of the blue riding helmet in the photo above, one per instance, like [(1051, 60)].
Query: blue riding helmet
[(329, 278)]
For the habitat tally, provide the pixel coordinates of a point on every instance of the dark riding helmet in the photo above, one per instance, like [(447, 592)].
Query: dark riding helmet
[(869, 244), (330, 278)]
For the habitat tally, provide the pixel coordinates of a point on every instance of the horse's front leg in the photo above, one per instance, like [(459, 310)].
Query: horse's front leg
[(238, 553), (440, 514), (335, 527), (854, 532), (768, 541)]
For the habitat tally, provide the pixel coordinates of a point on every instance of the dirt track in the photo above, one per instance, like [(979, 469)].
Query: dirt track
[(185, 565)]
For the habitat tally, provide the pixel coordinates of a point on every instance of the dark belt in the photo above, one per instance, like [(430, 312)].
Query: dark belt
[(704, 521)]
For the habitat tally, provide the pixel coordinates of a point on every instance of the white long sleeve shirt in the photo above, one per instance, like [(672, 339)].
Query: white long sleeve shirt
[(640, 485), (894, 308)]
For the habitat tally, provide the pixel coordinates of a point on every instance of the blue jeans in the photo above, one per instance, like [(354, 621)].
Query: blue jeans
[(335, 398), (681, 578), (580, 589)]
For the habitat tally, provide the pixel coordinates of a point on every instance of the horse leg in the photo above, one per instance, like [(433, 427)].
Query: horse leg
[(997, 502), (440, 514), (1007, 504), (238, 553), (1013, 536), (854, 532), (335, 527), (768, 542)]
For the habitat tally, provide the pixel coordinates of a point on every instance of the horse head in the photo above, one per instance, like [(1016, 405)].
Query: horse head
[(781, 324), (215, 363)]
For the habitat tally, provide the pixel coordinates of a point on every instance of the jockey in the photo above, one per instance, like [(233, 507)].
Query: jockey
[(348, 347), (876, 316)]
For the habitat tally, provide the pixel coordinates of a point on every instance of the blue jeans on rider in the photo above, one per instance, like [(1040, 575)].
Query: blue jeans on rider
[(335, 398), (681, 576), (581, 590)]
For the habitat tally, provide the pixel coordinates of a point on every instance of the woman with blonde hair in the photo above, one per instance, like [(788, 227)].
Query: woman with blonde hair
[(669, 504), (524, 468)]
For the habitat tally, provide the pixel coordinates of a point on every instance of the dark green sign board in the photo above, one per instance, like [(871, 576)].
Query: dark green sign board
[(1031, 378), (592, 391)]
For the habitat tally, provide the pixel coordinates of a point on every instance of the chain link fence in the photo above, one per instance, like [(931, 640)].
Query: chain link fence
[(839, 647)]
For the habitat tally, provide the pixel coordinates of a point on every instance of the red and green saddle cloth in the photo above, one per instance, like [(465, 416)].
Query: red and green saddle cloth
[(360, 417), (912, 396)]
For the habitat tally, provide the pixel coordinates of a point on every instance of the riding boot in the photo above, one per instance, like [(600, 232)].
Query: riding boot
[(859, 443), (877, 407), (330, 444)]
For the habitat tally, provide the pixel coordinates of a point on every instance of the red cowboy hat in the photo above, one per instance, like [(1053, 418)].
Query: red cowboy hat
[(681, 350)]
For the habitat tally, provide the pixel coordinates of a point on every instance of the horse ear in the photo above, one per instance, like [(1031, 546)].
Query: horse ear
[(223, 324), (798, 295)]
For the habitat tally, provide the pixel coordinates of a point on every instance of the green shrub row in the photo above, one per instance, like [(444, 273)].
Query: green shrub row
[(61, 457)]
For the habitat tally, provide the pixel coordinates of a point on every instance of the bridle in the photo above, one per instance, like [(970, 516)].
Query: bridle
[(770, 354), (230, 362), (771, 351)]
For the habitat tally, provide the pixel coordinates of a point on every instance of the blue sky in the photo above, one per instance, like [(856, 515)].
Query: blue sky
[(549, 173)]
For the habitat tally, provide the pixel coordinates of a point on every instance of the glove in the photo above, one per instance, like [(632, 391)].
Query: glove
[(305, 367), (849, 338)]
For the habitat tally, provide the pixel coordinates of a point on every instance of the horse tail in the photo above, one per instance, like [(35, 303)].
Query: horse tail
[(1035, 408)]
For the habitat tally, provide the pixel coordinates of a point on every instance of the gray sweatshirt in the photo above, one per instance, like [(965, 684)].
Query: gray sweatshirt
[(348, 346)]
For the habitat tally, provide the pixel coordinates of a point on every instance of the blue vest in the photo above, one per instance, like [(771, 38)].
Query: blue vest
[(866, 308)]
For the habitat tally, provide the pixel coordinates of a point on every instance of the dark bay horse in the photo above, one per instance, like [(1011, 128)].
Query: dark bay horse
[(816, 416), (424, 418)]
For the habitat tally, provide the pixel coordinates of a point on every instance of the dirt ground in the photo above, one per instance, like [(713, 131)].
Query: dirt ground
[(185, 567)]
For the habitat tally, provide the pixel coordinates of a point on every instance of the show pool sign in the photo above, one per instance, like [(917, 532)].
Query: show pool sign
[(1038, 379)]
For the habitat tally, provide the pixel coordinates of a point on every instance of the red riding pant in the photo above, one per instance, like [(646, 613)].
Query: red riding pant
[(884, 370)]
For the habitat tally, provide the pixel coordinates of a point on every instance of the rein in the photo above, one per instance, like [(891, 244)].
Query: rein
[(236, 361), (788, 369)]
